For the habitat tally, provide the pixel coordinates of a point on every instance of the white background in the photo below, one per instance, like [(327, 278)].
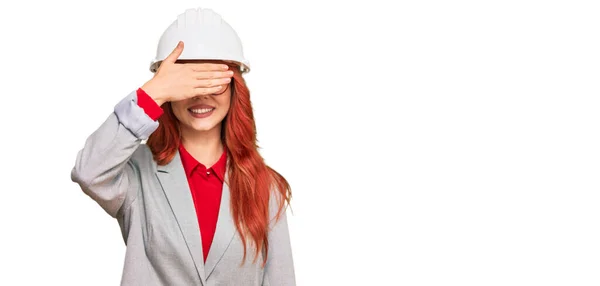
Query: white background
[(427, 143)]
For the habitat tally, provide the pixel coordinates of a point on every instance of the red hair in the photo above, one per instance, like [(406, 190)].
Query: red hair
[(250, 180)]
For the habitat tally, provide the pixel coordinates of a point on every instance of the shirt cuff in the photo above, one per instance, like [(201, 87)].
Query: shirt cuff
[(152, 109)]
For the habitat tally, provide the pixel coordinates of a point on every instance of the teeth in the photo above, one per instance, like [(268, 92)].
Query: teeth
[(202, 110)]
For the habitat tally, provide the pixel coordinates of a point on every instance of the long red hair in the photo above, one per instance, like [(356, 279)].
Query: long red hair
[(250, 180)]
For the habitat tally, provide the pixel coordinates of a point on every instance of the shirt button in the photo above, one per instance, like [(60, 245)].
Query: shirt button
[(208, 173)]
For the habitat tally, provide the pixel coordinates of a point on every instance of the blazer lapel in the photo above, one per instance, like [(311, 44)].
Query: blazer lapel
[(175, 185), (224, 232)]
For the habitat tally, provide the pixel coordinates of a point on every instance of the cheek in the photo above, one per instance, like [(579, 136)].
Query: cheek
[(178, 110), (225, 101)]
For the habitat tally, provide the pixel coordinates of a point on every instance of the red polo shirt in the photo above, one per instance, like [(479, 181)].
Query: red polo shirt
[(206, 184)]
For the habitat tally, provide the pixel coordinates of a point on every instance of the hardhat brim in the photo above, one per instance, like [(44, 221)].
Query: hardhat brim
[(243, 66)]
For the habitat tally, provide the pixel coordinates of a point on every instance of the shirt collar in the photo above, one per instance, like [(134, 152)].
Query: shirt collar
[(219, 167), (190, 164)]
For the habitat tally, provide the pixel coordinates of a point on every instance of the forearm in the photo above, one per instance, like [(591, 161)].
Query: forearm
[(101, 167)]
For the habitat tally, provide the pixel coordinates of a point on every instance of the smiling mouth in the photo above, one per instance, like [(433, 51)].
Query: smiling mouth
[(201, 110)]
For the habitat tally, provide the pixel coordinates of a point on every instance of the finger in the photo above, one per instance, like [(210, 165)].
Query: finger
[(223, 89), (200, 67), (175, 53), (202, 83), (213, 74), (207, 90)]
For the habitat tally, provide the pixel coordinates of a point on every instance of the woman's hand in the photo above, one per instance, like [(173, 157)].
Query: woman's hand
[(175, 81)]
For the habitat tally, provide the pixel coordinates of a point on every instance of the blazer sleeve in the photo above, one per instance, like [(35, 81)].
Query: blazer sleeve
[(103, 168), (279, 269)]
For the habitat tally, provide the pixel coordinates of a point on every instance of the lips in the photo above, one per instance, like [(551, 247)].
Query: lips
[(201, 106), (201, 110)]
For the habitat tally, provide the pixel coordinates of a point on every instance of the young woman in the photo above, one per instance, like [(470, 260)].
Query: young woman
[(196, 201)]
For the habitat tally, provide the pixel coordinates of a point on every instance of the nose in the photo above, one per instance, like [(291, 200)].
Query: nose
[(198, 97)]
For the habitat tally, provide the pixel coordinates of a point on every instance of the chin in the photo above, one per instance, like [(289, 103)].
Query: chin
[(203, 126)]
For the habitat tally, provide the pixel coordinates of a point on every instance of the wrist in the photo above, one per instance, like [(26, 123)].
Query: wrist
[(155, 93)]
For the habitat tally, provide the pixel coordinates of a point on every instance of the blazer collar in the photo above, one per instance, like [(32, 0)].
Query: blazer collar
[(174, 182)]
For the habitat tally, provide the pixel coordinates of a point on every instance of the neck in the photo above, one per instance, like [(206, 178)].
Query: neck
[(206, 146)]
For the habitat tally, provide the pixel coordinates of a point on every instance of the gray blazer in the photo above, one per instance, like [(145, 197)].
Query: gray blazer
[(154, 208)]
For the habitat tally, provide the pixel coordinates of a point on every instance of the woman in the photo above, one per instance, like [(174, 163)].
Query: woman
[(196, 199)]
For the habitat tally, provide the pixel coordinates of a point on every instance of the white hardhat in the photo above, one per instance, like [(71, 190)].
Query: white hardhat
[(206, 36)]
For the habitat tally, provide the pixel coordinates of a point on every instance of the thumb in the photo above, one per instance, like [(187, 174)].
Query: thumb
[(175, 53)]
